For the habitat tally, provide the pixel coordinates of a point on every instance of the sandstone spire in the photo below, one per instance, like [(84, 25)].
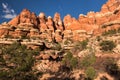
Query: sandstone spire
[(25, 17), (58, 21)]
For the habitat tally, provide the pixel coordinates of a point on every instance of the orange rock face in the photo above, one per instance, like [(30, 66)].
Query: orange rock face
[(67, 21), (109, 6), (42, 18), (48, 26), (109, 12), (15, 21), (58, 22), (25, 17), (3, 32), (50, 23)]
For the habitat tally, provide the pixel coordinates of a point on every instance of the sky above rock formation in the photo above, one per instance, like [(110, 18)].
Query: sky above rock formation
[(11, 8)]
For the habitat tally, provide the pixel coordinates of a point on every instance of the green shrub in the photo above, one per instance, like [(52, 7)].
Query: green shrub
[(25, 37), (68, 41), (3, 74), (118, 30), (107, 45), (70, 61), (88, 60), (57, 46), (84, 44), (90, 73), (79, 46), (68, 55), (73, 62), (109, 32), (8, 36), (20, 62), (67, 58)]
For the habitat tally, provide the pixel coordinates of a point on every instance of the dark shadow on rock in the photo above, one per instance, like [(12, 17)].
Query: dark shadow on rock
[(113, 70)]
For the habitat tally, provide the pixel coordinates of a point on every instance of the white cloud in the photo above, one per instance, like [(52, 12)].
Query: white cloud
[(8, 12), (4, 5), (12, 11), (9, 16)]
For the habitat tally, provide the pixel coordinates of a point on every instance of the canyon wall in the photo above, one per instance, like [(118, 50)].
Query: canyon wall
[(28, 24)]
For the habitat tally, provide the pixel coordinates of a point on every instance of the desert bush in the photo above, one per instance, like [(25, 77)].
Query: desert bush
[(107, 45), (25, 36), (70, 61), (79, 46), (84, 44), (57, 46), (68, 41), (73, 62), (109, 32), (118, 30), (88, 60), (8, 36), (90, 73), (19, 62)]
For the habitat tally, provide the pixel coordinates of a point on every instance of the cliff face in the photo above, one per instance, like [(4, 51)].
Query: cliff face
[(109, 12), (54, 28)]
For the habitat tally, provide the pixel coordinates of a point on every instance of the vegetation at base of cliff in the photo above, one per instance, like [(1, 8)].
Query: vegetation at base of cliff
[(25, 37), (90, 73), (68, 41), (16, 62), (82, 44), (79, 46), (57, 46), (8, 36), (70, 61), (88, 60), (111, 32), (107, 45)]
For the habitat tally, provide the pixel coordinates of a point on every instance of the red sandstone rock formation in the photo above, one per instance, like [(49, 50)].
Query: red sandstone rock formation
[(67, 21), (58, 21), (50, 23), (109, 12), (92, 22), (42, 17), (110, 6), (25, 17), (45, 23)]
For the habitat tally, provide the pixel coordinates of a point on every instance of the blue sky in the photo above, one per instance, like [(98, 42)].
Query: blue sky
[(11, 8)]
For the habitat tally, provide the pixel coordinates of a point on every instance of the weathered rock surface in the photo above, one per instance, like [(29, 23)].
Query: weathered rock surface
[(25, 17), (58, 21), (46, 65), (94, 23)]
